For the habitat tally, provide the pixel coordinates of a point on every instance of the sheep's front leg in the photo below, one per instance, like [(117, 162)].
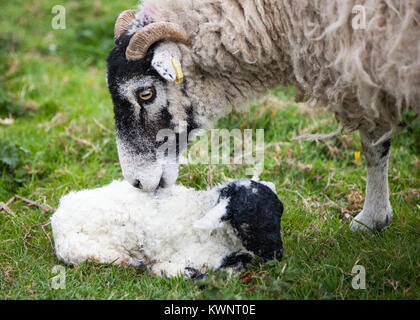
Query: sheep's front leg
[(377, 211)]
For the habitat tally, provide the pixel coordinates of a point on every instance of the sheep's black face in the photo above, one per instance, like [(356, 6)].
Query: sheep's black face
[(254, 211), (143, 100)]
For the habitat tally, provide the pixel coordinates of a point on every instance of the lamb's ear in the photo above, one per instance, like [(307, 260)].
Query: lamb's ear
[(214, 218), (166, 61), (271, 185)]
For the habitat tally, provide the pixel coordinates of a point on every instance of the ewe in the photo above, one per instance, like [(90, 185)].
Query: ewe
[(233, 50)]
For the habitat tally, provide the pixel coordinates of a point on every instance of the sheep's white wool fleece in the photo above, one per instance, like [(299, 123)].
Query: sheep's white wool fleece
[(123, 225), (367, 77)]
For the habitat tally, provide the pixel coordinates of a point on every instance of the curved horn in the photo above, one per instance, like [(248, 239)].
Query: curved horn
[(123, 20), (145, 37)]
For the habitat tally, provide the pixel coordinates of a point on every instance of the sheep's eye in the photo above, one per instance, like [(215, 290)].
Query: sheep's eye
[(146, 95)]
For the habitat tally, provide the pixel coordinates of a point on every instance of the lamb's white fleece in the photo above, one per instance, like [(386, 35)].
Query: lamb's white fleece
[(123, 225)]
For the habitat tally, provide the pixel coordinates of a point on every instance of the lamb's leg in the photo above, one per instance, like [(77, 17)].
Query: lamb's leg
[(377, 211)]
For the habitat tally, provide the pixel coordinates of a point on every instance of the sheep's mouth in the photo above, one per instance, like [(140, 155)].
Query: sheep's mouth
[(162, 183), (137, 184)]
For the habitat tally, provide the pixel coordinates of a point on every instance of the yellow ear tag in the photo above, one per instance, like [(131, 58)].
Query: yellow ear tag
[(178, 71)]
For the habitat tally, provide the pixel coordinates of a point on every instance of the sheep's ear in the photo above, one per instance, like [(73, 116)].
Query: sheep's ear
[(166, 62), (214, 218)]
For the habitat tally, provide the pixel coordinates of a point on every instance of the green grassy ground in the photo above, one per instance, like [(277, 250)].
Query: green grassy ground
[(52, 84)]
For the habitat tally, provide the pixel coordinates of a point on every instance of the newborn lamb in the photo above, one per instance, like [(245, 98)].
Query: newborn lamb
[(171, 231)]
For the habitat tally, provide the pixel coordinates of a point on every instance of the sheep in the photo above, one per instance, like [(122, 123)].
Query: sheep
[(176, 230), (234, 50)]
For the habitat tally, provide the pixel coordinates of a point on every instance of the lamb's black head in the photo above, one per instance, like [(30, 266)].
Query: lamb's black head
[(143, 72), (254, 211)]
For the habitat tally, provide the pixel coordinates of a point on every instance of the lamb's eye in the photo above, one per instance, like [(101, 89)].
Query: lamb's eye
[(146, 95)]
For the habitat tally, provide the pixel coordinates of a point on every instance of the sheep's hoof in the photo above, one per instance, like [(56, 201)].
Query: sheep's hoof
[(371, 222)]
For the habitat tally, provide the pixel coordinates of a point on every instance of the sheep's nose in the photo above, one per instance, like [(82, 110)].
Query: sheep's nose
[(137, 184)]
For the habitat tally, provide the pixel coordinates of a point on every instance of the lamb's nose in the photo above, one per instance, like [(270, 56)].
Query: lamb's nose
[(137, 184)]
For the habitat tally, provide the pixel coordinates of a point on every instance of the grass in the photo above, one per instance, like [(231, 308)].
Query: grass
[(62, 138)]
